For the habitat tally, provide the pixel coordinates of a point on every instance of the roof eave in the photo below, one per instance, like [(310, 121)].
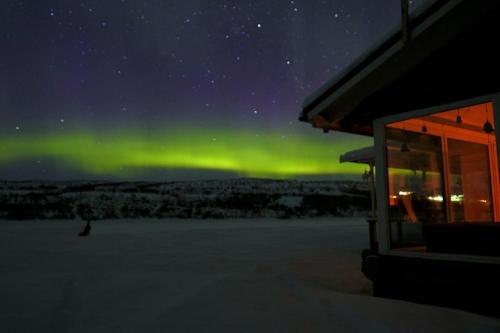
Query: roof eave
[(393, 57)]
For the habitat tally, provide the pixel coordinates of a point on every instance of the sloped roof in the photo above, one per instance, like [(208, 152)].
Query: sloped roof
[(451, 56)]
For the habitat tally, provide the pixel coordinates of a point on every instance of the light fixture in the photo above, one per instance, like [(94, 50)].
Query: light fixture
[(424, 128), (459, 117), (487, 127)]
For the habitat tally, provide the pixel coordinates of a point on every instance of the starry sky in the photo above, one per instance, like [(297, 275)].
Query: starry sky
[(176, 89)]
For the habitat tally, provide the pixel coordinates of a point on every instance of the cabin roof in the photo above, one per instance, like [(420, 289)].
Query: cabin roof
[(451, 56)]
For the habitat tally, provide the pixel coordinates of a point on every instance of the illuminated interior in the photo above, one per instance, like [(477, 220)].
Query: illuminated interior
[(442, 169)]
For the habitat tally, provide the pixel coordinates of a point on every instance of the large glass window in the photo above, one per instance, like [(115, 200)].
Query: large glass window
[(442, 176), (469, 182), (415, 184)]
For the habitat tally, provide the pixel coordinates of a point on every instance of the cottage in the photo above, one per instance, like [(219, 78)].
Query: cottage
[(430, 96)]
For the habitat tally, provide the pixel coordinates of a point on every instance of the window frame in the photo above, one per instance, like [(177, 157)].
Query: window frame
[(381, 165)]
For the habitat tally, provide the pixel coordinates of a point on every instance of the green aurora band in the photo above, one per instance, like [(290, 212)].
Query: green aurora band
[(121, 153)]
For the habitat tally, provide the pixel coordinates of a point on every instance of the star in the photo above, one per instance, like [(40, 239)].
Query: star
[(239, 63)]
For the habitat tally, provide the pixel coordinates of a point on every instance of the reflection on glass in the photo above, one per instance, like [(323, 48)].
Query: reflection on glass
[(469, 182), (415, 184), (452, 148)]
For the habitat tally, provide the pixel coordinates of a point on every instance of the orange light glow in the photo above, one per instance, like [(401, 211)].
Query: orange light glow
[(466, 157)]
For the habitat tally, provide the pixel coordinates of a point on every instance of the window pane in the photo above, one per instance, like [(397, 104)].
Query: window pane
[(469, 182), (415, 185)]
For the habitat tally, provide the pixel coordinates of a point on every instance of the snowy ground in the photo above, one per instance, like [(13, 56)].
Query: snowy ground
[(201, 276)]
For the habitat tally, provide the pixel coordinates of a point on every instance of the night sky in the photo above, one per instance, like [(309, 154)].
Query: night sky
[(175, 89)]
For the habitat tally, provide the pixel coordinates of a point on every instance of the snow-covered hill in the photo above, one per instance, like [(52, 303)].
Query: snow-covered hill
[(191, 199)]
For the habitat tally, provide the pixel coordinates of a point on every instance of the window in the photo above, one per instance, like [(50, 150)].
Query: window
[(469, 182), (442, 169), (415, 184)]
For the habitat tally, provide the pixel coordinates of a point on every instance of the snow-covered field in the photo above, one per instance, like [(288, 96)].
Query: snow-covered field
[(201, 276)]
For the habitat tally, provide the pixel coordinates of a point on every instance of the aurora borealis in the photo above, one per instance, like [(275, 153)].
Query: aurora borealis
[(247, 154), (99, 89)]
